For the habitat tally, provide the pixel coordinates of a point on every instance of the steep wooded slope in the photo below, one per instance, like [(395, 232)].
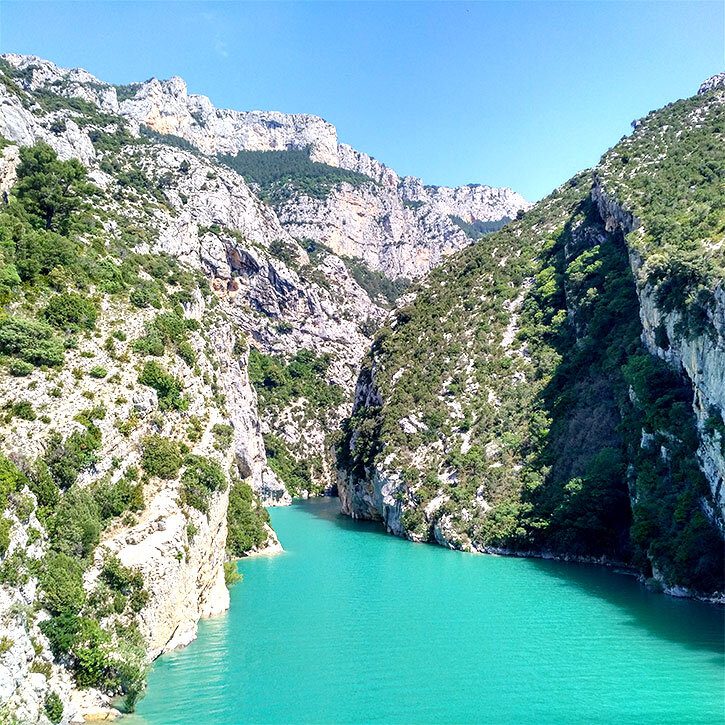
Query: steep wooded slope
[(558, 387)]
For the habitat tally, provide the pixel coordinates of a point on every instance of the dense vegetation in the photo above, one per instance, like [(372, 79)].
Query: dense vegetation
[(478, 228), (280, 175), (516, 392), (670, 173), (59, 268), (300, 385)]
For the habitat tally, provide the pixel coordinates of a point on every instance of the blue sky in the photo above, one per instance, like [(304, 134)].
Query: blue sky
[(520, 94)]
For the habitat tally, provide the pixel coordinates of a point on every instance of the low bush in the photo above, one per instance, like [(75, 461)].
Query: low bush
[(201, 478), (30, 341), (71, 312), (161, 456), (53, 707), (166, 385), (61, 584)]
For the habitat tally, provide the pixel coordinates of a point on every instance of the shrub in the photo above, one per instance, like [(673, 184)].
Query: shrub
[(5, 526), (76, 527), (98, 372), (231, 573), (66, 459), (281, 174), (125, 581), (61, 583), (161, 456), (245, 520), (53, 707), (51, 191), (145, 294), (200, 479), (40, 252), (166, 385), (70, 311), (22, 409), (186, 352), (223, 436), (20, 368), (114, 499), (11, 480), (32, 342), (44, 487)]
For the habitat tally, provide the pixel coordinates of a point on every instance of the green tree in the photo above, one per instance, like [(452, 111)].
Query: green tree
[(50, 190)]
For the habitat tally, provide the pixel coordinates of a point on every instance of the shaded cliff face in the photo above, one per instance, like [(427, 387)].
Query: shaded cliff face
[(557, 388)]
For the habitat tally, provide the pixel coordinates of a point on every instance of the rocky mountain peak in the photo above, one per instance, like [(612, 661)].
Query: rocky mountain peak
[(716, 81)]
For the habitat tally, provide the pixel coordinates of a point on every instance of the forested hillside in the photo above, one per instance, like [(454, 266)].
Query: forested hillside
[(519, 404)]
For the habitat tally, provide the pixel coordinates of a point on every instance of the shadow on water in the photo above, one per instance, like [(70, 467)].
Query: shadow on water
[(328, 509), (694, 625)]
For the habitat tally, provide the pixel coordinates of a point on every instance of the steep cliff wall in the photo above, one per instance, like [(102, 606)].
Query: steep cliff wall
[(557, 390)]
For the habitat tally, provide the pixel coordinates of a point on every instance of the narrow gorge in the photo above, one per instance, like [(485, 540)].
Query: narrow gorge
[(209, 312)]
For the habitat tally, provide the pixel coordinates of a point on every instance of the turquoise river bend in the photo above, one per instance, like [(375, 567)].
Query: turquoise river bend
[(352, 625)]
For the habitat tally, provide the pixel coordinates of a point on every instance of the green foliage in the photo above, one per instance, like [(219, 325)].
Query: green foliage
[(53, 707), (5, 526), (296, 475), (278, 383), (21, 409), (168, 329), (66, 459), (30, 341), (375, 283), (231, 574), (98, 372), (223, 436), (71, 312), (11, 480), (284, 251), (201, 477), (114, 499), (281, 175), (51, 191), (146, 294), (161, 456), (669, 174), (512, 381), (246, 518), (125, 581), (169, 139), (61, 584), (76, 526), (477, 228), (166, 385)]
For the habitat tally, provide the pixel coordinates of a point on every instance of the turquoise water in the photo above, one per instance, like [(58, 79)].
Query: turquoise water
[(352, 625)]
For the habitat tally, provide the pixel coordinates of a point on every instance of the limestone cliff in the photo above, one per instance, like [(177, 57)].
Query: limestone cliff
[(169, 299), (395, 224), (558, 390)]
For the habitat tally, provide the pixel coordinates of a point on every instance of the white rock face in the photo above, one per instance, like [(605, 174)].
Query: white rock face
[(716, 81), (395, 225), (205, 215)]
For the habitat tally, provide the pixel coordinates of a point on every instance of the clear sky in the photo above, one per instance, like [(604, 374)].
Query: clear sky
[(519, 94)]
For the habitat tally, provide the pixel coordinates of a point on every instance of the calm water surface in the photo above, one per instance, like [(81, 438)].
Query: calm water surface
[(352, 625)]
